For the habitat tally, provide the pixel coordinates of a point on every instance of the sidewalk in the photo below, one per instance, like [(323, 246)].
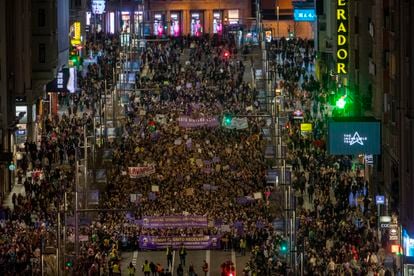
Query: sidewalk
[(17, 189)]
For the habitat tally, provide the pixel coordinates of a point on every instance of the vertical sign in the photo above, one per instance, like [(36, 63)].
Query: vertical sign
[(77, 30), (342, 52)]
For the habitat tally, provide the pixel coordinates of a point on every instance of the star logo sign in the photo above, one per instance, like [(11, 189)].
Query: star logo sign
[(356, 139)]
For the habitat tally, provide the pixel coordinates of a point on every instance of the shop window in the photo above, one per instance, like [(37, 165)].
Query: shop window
[(196, 24)]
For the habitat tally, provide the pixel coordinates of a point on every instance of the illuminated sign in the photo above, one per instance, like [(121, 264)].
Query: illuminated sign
[(98, 6), (306, 127), (304, 15), (353, 136), (380, 199), (77, 30), (342, 20)]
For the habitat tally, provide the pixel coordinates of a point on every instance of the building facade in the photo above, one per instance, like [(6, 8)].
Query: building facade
[(33, 43), (379, 76), (15, 80), (50, 52), (195, 17)]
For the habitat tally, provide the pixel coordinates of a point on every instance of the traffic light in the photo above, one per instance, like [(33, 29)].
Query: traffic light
[(341, 102), (283, 247), (68, 265), (227, 119), (226, 54), (74, 55)]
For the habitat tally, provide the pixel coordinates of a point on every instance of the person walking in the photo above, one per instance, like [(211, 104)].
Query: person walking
[(205, 268), (146, 268), (243, 247), (183, 254), (180, 270), (169, 253), (131, 269)]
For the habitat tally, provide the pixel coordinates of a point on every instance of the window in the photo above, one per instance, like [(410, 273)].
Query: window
[(42, 53), (78, 3), (41, 18)]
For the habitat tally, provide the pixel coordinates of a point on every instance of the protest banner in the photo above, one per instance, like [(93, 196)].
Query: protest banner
[(199, 242), (237, 123), (174, 221), (141, 171), (188, 122)]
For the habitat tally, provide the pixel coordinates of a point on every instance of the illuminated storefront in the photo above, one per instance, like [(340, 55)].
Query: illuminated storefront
[(138, 21), (125, 22), (175, 24), (233, 17), (158, 27), (217, 22), (196, 24)]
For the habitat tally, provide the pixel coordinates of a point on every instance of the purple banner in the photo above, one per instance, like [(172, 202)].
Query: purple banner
[(199, 242), (188, 122), (174, 221)]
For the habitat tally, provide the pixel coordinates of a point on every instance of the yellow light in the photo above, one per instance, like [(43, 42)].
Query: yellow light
[(306, 127), (77, 27)]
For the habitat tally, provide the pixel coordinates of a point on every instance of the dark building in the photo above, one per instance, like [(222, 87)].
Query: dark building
[(33, 45), (380, 69)]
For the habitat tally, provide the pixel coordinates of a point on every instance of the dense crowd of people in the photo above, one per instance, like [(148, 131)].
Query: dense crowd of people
[(199, 78)]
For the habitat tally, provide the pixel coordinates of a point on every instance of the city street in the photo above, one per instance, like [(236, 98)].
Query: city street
[(213, 257), (195, 138)]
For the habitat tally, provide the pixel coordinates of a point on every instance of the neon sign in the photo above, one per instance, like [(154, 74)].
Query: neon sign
[(342, 20)]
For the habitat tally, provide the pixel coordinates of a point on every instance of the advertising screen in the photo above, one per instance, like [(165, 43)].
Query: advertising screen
[(304, 15), (354, 136)]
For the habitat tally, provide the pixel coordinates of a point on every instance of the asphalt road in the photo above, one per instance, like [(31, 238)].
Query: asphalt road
[(214, 259)]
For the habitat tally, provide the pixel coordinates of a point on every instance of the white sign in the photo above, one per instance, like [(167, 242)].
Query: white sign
[(257, 195), (59, 80), (352, 139)]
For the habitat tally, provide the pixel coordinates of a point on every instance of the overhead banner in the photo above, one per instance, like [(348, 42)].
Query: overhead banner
[(188, 122), (178, 221), (342, 22), (237, 123), (64, 82), (157, 242), (136, 172), (354, 136)]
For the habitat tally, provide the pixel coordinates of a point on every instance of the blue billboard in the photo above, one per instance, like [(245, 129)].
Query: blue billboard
[(304, 14), (354, 136)]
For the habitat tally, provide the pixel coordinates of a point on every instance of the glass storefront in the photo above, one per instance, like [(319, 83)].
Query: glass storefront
[(125, 22), (158, 24), (217, 22), (175, 27), (196, 23)]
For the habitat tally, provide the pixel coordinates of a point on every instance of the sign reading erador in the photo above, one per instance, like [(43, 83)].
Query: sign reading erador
[(354, 136), (342, 22)]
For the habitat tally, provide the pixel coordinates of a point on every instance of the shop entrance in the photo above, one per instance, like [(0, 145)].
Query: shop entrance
[(196, 24), (158, 24), (175, 27), (217, 22)]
